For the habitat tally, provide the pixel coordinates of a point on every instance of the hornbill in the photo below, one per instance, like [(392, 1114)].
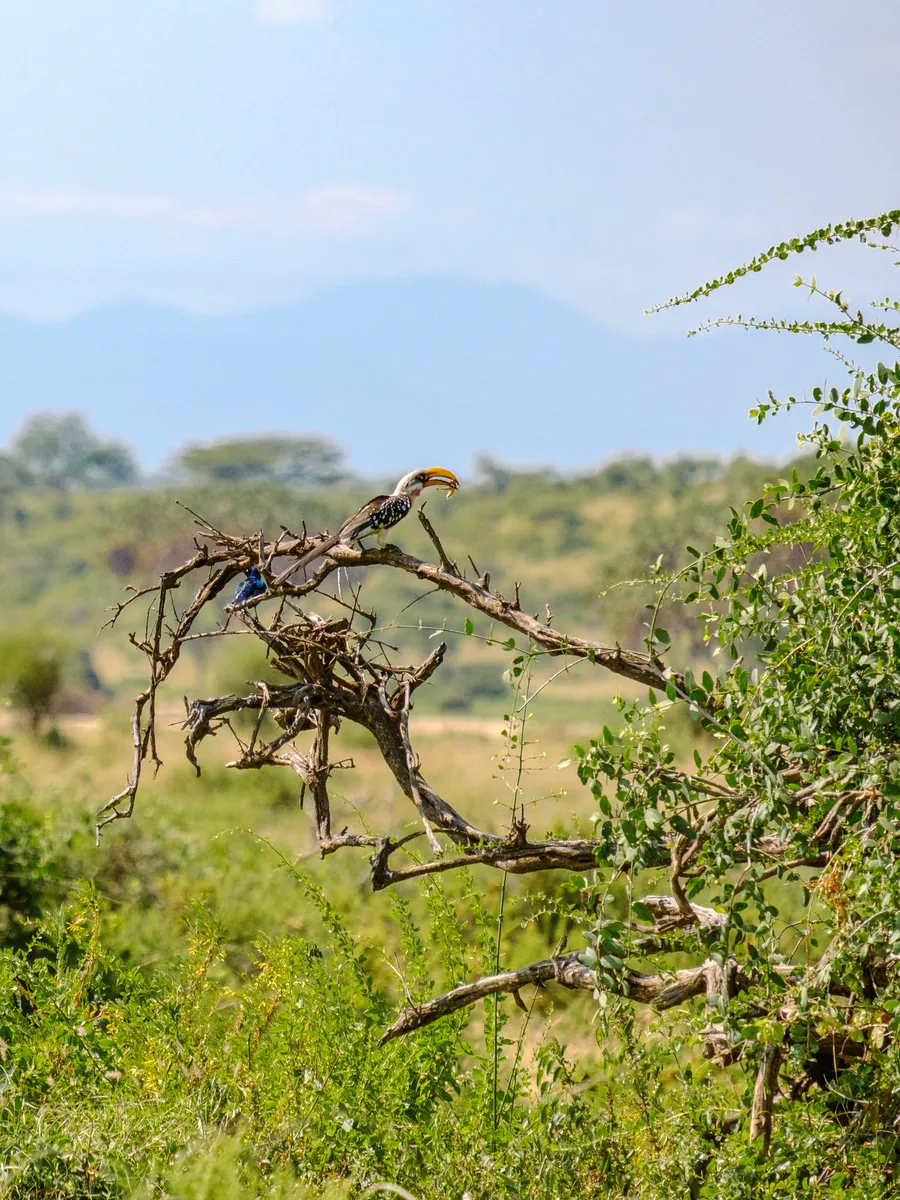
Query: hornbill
[(381, 513)]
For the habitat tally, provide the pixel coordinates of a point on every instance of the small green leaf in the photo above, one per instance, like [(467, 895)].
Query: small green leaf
[(681, 826), (468, 627)]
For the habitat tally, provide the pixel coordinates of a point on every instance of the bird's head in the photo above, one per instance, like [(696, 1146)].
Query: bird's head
[(413, 483)]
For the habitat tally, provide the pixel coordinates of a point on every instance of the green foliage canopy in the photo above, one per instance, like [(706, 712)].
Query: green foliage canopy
[(298, 461), (790, 825), (31, 673), (60, 451)]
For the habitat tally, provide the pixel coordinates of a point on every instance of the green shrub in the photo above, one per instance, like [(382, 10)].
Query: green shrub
[(222, 1168), (29, 875), (173, 1082), (31, 673)]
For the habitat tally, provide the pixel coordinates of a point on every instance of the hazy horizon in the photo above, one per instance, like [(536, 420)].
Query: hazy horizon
[(248, 162), (405, 370)]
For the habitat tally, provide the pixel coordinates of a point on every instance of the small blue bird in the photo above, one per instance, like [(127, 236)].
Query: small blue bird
[(253, 585)]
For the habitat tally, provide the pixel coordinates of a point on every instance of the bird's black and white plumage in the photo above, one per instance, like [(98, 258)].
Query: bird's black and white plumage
[(387, 512), (381, 513)]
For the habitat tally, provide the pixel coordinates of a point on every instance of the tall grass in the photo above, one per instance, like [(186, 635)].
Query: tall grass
[(177, 1080)]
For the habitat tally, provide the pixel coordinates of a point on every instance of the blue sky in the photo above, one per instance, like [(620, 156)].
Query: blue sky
[(228, 154), (223, 156)]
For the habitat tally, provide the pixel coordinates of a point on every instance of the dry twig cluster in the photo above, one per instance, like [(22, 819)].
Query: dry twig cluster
[(336, 669)]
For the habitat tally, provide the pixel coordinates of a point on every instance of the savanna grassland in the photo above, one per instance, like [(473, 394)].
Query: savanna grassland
[(193, 1007)]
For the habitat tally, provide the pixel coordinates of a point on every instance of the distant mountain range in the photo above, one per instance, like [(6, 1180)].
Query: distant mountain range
[(411, 371)]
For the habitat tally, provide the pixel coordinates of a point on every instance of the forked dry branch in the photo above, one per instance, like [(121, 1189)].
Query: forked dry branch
[(336, 669)]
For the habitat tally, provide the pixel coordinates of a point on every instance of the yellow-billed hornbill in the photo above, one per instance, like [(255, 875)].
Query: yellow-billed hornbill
[(380, 514)]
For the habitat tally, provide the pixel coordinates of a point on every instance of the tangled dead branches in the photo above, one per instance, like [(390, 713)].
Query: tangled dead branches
[(336, 669)]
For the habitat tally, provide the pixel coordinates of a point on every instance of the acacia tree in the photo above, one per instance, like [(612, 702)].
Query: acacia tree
[(31, 674), (286, 458), (60, 451), (780, 843)]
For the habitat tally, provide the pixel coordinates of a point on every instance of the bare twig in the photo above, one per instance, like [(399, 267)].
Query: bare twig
[(450, 567), (338, 670), (413, 768), (679, 849)]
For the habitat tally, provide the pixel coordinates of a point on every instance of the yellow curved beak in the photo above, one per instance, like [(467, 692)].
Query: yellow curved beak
[(441, 477)]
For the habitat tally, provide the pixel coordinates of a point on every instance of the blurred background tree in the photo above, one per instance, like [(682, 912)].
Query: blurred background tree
[(300, 461), (13, 475), (60, 451), (31, 674), (491, 472)]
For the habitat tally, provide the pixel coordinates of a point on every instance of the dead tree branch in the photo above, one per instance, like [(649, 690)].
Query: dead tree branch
[(764, 1096), (660, 991), (630, 664)]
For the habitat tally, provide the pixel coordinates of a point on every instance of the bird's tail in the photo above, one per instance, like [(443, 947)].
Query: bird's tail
[(317, 551), (354, 532)]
